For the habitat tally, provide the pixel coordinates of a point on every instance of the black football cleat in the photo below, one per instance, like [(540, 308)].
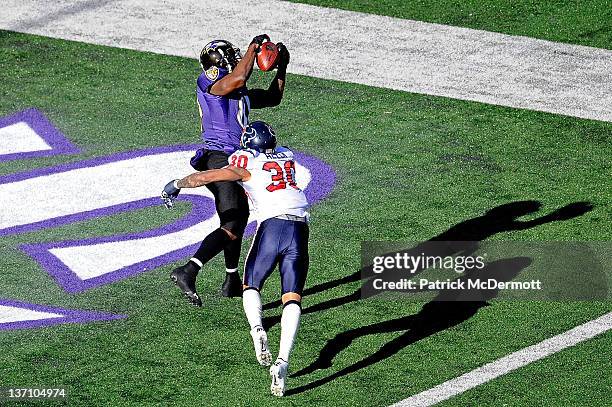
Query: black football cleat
[(185, 278), (232, 286)]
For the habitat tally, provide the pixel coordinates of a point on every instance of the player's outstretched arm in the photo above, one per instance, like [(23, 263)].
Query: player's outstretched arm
[(197, 179), (240, 75), (271, 97), (229, 173)]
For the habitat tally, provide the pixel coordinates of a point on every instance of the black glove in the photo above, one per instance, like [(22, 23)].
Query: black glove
[(170, 193), (283, 56), (260, 39)]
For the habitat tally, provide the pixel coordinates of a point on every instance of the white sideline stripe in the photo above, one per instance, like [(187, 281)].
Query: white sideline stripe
[(509, 363), (347, 46)]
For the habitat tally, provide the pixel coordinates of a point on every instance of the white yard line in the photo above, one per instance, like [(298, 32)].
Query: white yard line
[(509, 363), (347, 46)]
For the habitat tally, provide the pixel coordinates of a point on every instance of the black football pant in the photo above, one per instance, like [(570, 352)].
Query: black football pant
[(230, 201)]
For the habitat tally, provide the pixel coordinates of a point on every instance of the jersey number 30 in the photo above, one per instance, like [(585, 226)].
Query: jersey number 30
[(281, 178), (239, 161)]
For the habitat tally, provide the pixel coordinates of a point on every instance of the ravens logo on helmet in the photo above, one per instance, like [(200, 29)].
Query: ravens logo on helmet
[(221, 54)]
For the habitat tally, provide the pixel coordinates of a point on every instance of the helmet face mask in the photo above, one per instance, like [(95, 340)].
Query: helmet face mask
[(258, 136), (221, 54)]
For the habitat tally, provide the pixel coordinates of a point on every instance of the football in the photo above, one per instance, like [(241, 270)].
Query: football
[(267, 56)]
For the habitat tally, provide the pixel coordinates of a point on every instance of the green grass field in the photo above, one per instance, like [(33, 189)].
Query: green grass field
[(571, 21), (409, 168)]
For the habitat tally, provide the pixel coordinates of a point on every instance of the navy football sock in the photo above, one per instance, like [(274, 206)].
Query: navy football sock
[(212, 245)]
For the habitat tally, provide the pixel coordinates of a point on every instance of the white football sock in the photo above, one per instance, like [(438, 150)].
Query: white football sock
[(231, 270), (290, 322), (251, 302)]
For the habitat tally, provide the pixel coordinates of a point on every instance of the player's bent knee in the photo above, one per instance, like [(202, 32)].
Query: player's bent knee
[(231, 234), (234, 228), (291, 298)]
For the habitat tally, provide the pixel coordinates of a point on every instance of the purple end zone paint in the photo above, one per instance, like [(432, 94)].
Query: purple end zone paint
[(202, 208), (68, 316), (45, 129), (322, 182)]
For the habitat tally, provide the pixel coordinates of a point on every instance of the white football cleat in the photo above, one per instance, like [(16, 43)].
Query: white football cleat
[(278, 371), (260, 342)]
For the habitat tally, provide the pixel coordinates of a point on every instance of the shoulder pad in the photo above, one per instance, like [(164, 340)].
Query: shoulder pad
[(283, 149)]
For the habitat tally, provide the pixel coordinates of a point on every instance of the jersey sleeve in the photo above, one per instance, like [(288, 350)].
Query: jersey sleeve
[(204, 82)]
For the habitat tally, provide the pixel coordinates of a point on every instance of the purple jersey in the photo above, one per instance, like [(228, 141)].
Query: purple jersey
[(223, 117)]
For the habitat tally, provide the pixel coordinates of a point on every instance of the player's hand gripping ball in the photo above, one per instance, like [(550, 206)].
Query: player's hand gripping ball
[(267, 57)]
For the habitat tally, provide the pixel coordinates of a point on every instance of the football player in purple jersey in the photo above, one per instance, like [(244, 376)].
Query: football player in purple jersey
[(224, 102)]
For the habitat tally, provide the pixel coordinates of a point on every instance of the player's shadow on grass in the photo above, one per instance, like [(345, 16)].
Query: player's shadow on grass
[(446, 310), (464, 235), (441, 313)]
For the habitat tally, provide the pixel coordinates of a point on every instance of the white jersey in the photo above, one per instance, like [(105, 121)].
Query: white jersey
[(272, 189)]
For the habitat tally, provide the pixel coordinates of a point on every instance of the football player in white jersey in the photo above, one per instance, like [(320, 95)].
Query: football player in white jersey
[(267, 174)]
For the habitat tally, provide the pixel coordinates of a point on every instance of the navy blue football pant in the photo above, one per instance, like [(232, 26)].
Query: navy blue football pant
[(282, 242)]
